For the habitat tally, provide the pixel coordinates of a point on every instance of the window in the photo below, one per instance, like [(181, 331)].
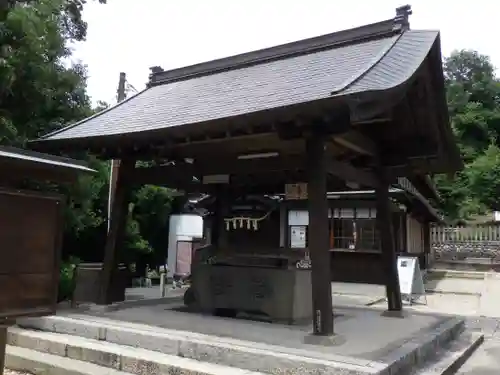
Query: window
[(368, 238), (344, 234), (349, 229), (354, 229)]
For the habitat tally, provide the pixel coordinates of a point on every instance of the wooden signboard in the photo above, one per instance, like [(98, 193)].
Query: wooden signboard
[(30, 240), (296, 191)]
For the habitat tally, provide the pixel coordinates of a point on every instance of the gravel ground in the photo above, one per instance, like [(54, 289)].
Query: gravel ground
[(12, 372)]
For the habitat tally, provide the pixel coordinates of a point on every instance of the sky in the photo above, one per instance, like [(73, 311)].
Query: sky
[(133, 35)]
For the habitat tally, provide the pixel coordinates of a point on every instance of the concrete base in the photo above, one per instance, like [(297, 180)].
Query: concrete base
[(331, 340), (395, 314), (372, 344)]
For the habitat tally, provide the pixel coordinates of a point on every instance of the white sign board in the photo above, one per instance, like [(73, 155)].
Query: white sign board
[(296, 217), (411, 283), (301, 217), (298, 237)]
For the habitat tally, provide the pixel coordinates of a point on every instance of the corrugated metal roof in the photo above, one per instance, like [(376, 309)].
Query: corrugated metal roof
[(371, 64)]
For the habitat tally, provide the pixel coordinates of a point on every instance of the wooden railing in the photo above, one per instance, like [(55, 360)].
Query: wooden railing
[(483, 233)]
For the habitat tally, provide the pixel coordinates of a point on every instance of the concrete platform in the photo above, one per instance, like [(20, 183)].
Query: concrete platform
[(374, 344), (368, 335)]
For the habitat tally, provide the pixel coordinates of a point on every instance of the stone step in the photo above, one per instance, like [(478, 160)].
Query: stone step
[(57, 335), (449, 359), (253, 356), (30, 350), (38, 363)]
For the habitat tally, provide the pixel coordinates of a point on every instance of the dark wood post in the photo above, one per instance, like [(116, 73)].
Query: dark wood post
[(426, 228), (117, 225), (318, 239), (221, 207), (3, 345), (385, 227)]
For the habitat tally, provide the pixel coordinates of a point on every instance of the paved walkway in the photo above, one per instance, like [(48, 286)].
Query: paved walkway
[(476, 299), (486, 359)]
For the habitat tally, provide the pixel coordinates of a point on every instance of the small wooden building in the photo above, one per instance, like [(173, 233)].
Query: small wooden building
[(366, 105)]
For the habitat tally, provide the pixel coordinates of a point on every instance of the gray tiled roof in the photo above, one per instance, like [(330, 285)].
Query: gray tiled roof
[(367, 65)]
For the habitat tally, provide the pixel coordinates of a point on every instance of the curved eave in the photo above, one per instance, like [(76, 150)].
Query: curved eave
[(18, 164), (451, 152)]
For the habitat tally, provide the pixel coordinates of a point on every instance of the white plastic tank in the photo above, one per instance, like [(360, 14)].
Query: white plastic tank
[(183, 229)]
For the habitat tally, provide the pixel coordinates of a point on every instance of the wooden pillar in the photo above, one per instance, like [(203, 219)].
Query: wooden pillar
[(222, 206), (318, 239), (117, 225), (426, 228), (217, 220), (385, 227), (3, 345)]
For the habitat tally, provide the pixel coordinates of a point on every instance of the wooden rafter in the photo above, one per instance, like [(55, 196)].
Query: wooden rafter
[(183, 173)]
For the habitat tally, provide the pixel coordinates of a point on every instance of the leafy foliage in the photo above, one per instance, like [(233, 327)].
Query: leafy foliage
[(41, 92), (474, 104)]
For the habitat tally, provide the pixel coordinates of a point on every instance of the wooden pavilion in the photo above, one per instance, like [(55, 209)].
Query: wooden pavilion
[(31, 228), (365, 105)]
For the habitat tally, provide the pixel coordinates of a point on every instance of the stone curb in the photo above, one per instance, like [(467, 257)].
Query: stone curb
[(110, 356), (415, 352), (437, 273), (216, 350), (91, 307), (456, 355), (21, 359), (445, 292)]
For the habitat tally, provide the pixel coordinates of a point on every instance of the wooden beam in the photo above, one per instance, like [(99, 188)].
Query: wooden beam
[(174, 175), (178, 176), (348, 172), (357, 142)]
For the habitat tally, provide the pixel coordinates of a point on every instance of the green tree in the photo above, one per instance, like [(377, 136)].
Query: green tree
[(484, 177), (40, 91), (474, 104), (152, 207)]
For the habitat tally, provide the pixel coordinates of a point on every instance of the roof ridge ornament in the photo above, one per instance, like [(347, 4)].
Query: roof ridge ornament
[(402, 19)]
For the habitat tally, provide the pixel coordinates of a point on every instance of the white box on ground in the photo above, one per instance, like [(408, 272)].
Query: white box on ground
[(411, 283)]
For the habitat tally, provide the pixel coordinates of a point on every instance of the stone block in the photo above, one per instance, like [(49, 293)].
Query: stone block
[(60, 324), (333, 340), (145, 340), (272, 362), (82, 329), (94, 353), (33, 340)]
